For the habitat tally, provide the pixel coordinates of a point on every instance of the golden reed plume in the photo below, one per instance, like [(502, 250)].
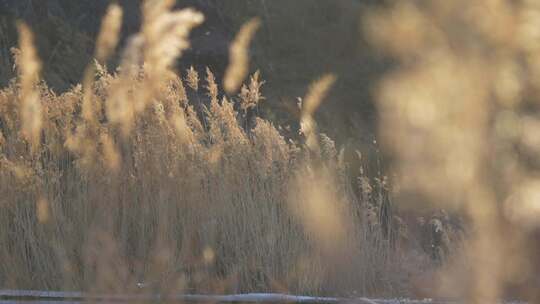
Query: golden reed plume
[(106, 43), (239, 57), (109, 33), (29, 68), (316, 94)]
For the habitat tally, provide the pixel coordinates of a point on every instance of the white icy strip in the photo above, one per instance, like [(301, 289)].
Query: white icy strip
[(50, 297)]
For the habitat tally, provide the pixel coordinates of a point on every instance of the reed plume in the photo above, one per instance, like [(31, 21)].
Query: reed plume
[(29, 67), (238, 67)]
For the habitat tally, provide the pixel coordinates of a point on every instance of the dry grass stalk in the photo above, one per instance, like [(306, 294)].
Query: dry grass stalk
[(165, 33), (320, 212), (238, 67), (192, 78), (111, 156), (211, 86), (251, 95), (105, 45), (150, 55), (29, 67), (109, 33), (315, 95)]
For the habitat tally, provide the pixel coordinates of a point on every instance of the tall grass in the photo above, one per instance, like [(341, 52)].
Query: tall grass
[(123, 180)]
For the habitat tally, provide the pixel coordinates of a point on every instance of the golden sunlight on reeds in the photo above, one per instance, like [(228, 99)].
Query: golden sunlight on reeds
[(137, 182), (143, 178)]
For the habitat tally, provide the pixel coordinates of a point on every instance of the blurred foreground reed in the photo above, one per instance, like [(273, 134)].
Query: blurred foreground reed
[(460, 114)]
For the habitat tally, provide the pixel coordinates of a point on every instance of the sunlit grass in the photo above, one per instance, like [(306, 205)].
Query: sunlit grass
[(123, 180)]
